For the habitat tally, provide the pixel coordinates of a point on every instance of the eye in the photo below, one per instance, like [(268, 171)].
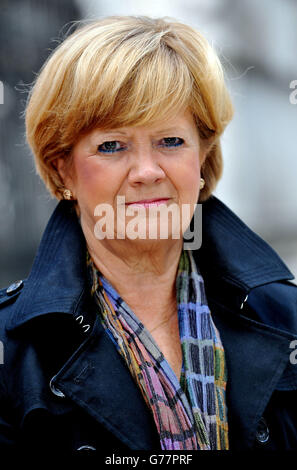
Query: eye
[(172, 142), (110, 146)]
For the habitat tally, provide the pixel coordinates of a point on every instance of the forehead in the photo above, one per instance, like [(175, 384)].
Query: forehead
[(183, 121)]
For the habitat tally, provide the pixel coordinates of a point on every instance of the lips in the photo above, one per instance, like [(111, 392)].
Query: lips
[(149, 202)]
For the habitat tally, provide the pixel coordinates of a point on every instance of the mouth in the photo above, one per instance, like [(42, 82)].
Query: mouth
[(149, 202)]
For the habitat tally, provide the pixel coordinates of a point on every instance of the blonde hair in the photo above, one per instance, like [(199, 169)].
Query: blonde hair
[(121, 71)]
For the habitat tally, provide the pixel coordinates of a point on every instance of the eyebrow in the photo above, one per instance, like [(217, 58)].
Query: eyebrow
[(110, 131), (173, 130), (159, 131), (170, 129)]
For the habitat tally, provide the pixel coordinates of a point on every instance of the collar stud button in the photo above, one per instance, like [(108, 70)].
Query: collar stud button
[(14, 287), (262, 434)]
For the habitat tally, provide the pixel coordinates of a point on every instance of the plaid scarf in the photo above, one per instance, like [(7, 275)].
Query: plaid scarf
[(190, 413)]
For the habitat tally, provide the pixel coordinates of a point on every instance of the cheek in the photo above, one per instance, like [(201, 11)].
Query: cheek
[(189, 176), (89, 176), (94, 182)]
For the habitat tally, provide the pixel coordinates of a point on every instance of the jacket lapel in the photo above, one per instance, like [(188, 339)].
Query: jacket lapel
[(234, 261), (98, 380), (256, 357)]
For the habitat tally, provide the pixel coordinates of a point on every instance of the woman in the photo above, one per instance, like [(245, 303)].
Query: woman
[(119, 336)]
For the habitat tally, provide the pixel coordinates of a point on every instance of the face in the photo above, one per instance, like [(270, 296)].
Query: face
[(148, 166)]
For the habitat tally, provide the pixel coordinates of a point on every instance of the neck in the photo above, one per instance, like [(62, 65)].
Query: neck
[(143, 274)]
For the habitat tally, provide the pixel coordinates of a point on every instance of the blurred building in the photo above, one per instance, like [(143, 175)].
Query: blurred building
[(29, 30)]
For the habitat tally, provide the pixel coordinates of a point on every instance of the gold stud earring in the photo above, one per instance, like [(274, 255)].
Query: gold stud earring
[(202, 183), (67, 194)]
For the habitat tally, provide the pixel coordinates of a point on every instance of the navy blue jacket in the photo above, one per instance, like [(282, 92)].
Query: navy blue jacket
[(64, 387)]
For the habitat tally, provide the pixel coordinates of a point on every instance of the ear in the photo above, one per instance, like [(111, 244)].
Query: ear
[(206, 146), (202, 156), (61, 168), (59, 164)]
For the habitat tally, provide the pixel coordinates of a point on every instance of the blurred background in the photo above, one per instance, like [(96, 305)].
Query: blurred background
[(257, 43)]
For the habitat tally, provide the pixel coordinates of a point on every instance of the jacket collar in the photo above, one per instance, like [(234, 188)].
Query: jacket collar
[(230, 253), (235, 254), (57, 279)]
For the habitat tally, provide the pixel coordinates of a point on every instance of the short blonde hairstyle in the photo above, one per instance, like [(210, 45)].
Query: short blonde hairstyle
[(122, 71)]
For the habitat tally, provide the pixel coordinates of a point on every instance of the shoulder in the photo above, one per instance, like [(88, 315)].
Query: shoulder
[(275, 304), (8, 296)]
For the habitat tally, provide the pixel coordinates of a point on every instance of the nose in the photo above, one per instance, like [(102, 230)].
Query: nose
[(145, 168)]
